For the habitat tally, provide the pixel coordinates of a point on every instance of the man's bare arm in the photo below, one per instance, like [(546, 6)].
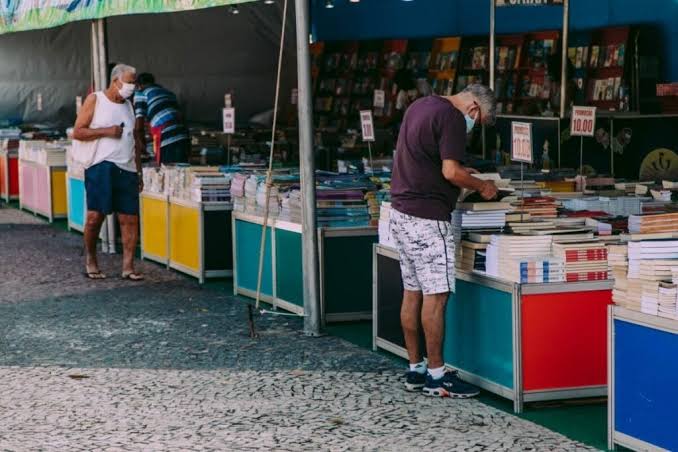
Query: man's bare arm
[(82, 130), (459, 175)]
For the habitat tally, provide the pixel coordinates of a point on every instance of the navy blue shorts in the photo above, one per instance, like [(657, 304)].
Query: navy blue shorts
[(111, 189)]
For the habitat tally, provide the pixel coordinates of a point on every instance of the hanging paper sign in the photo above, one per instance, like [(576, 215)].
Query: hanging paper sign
[(295, 96), (229, 120), (583, 123), (379, 98), (78, 104), (521, 139), (228, 101), (367, 125), (501, 3)]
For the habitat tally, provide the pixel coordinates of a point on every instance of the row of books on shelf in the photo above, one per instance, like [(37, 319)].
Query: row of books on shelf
[(446, 61), (605, 89), (366, 61), (346, 106), (612, 55), (358, 86)]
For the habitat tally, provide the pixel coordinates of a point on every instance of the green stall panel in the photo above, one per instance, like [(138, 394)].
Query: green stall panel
[(478, 336), (348, 273), (288, 268), (247, 245)]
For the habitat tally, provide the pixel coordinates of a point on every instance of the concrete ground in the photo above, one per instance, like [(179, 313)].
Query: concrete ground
[(164, 365)]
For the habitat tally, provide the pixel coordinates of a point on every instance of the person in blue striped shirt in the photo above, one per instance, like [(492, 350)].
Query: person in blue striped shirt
[(159, 107)]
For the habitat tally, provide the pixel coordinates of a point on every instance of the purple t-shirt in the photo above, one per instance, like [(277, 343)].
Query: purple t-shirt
[(433, 130)]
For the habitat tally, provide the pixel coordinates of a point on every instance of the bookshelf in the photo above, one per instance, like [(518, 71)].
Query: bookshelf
[(608, 60), (474, 62), (443, 66)]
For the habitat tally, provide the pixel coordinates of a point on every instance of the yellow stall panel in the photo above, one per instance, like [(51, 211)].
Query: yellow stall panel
[(154, 235), (59, 203), (185, 236)]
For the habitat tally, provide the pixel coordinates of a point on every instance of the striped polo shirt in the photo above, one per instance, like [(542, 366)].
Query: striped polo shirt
[(159, 106)]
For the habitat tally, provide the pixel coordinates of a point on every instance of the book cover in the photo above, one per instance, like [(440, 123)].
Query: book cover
[(578, 58), (595, 50), (572, 55), (615, 56), (609, 55), (620, 55), (617, 85), (609, 89), (585, 57), (503, 62)]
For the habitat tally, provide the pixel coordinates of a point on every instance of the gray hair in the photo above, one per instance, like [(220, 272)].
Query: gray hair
[(121, 69), (486, 99)]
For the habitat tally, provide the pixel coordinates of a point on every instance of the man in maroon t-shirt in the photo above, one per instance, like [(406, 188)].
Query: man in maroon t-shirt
[(427, 177)]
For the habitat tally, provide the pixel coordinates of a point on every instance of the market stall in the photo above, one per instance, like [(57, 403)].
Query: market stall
[(642, 374), (344, 266), (42, 178), (515, 340), (154, 224)]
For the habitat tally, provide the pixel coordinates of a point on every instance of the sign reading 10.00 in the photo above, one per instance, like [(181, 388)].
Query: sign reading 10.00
[(583, 123)]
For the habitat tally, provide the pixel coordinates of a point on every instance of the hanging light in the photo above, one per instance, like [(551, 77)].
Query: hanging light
[(234, 10), (354, 1), (329, 4), (269, 2)]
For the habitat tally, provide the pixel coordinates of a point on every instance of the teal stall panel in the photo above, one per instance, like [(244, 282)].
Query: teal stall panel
[(348, 273), (289, 271), (247, 244), (76, 202), (478, 336)]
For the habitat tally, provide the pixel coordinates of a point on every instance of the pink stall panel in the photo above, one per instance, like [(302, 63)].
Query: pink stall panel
[(27, 179), (43, 199)]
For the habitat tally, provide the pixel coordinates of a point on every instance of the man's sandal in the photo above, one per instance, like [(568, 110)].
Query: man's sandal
[(133, 276), (95, 275)]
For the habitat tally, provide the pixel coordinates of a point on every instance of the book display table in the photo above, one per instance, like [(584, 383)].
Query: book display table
[(643, 376), (520, 341), (345, 277), (154, 224), (199, 237), (42, 188), (9, 175)]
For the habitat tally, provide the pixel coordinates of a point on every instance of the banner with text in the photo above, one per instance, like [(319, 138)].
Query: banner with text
[(21, 15), (501, 3)]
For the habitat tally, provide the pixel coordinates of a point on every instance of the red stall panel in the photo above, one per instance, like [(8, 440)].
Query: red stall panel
[(564, 339), (14, 177)]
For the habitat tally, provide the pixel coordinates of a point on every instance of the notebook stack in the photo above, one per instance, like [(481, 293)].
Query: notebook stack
[(653, 224), (618, 263), (522, 259), (583, 261)]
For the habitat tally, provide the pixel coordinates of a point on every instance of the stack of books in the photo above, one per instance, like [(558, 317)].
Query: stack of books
[(535, 270), (649, 299), (238, 191), (509, 255), (539, 207), (583, 261), (341, 207), (210, 186), (473, 256), (666, 303), (621, 206), (618, 263), (652, 224), (385, 237)]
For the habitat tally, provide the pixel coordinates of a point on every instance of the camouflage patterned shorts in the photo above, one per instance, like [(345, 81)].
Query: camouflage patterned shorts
[(426, 249)]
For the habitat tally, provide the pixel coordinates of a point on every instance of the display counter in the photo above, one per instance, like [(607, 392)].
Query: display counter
[(524, 342), (42, 189), (154, 224), (643, 380), (345, 263), (9, 175), (77, 202), (199, 238)]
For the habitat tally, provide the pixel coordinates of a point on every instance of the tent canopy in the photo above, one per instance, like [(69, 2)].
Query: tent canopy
[(22, 15)]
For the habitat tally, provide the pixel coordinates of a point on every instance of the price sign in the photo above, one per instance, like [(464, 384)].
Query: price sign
[(229, 120), (78, 104), (367, 125), (379, 98), (295, 96), (521, 142), (228, 100), (583, 123)]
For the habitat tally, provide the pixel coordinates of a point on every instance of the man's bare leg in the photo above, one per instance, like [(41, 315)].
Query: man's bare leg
[(92, 230), (129, 229), (433, 321), (410, 319)]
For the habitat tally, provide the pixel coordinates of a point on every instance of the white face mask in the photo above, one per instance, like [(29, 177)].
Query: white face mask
[(127, 90)]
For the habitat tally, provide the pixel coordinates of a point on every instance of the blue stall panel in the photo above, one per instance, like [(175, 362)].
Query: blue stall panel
[(76, 202), (646, 384), (247, 244), (478, 337)]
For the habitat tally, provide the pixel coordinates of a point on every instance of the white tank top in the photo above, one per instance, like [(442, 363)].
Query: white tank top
[(115, 150)]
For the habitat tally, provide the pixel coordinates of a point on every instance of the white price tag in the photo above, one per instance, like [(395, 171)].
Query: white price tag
[(521, 142), (228, 101), (367, 125), (229, 120), (295, 96), (39, 101), (379, 98), (583, 123), (78, 104)]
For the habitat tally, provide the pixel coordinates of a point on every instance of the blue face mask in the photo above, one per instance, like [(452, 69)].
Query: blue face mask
[(470, 123)]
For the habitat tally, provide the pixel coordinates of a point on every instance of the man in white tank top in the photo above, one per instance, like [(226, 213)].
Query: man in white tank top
[(113, 179)]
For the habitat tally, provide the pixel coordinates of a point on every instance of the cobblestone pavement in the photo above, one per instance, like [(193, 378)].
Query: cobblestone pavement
[(164, 365)]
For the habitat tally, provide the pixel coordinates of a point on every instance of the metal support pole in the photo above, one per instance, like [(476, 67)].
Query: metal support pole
[(493, 10), (563, 59), (309, 237)]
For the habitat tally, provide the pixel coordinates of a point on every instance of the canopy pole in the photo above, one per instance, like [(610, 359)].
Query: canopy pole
[(307, 164), (493, 11), (563, 59)]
